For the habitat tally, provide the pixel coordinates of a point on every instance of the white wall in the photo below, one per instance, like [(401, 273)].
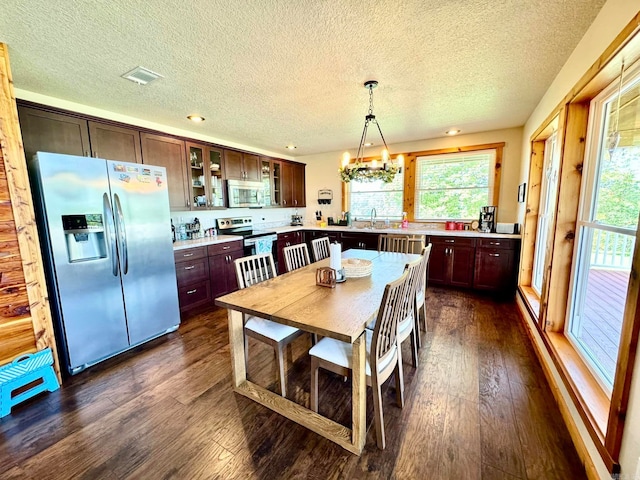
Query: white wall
[(613, 17), (322, 169)]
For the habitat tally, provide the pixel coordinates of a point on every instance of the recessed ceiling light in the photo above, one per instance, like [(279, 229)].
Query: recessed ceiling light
[(452, 131), (196, 118), (290, 147), (368, 144)]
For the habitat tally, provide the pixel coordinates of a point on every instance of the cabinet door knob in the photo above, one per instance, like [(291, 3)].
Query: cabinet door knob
[(189, 292), (190, 267), (494, 254), (494, 243)]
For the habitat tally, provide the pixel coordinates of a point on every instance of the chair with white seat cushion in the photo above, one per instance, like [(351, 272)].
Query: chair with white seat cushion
[(382, 353), (250, 271), (320, 247), (296, 256)]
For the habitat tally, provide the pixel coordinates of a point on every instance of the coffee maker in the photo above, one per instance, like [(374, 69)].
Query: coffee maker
[(488, 219), (296, 220)]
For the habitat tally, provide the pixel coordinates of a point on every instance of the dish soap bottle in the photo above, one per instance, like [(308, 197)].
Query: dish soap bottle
[(405, 222)]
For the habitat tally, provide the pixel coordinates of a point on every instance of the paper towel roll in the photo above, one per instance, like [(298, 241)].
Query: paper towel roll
[(335, 256)]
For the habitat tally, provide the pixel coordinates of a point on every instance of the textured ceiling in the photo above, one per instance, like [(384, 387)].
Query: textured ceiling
[(265, 73)]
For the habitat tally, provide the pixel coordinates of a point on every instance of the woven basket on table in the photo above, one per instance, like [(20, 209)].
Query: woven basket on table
[(356, 267)]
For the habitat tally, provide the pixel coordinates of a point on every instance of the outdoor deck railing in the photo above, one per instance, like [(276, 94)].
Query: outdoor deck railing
[(612, 250)]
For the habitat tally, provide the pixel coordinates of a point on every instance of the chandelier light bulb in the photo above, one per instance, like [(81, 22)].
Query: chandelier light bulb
[(374, 164), (385, 155), (346, 158)]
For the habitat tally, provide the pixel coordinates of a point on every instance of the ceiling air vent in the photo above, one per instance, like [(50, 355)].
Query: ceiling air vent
[(141, 75)]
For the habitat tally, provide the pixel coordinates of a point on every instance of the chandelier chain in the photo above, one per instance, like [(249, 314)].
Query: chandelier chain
[(370, 99)]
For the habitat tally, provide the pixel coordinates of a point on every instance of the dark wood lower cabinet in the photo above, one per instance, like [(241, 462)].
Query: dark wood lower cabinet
[(495, 265), (363, 241), (192, 272), (222, 272), (451, 261)]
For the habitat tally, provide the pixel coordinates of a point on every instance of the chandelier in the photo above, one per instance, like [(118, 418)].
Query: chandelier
[(383, 168)]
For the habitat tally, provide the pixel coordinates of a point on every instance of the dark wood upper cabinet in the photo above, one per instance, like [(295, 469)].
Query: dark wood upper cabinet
[(44, 131), (299, 189), (242, 166), (287, 184), (169, 152), (293, 184), (115, 143)]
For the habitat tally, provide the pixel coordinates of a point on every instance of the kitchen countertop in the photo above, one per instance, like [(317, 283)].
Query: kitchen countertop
[(415, 230), (203, 242)]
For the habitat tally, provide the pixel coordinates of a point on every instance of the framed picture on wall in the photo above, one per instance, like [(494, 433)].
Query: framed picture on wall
[(521, 190)]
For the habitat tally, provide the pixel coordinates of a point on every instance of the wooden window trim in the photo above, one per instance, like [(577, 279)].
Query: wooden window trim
[(410, 174), (573, 112)]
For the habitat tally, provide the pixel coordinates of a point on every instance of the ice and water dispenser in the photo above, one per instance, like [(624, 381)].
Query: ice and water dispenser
[(84, 235)]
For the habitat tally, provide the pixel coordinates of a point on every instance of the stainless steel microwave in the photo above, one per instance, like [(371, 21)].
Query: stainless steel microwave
[(242, 193)]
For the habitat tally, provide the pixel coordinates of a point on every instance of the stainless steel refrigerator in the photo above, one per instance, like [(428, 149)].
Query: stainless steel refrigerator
[(106, 240)]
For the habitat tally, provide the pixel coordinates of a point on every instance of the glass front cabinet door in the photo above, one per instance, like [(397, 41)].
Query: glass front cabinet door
[(205, 165)]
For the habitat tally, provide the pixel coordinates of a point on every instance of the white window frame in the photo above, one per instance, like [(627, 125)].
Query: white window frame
[(379, 214), (442, 158), (585, 226)]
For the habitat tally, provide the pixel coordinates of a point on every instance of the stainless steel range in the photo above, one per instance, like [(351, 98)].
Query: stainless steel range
[(244, 226)]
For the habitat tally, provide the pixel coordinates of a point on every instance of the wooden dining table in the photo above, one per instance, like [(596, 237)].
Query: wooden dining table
[(342, 313)]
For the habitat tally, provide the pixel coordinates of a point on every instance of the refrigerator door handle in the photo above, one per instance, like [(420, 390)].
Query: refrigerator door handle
[(122, 234), (111, 233)]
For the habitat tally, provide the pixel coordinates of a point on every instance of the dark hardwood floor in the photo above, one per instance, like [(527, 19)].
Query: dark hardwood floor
[(477, 407)]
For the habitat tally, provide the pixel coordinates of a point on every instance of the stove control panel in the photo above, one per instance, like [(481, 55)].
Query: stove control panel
[(235, 223)]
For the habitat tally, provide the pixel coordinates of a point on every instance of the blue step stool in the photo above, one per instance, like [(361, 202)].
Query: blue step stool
[(22, 371)]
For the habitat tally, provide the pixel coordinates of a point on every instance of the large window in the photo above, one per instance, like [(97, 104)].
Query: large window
[(547, 208), (454, 186), (386, 198), (606, 230)]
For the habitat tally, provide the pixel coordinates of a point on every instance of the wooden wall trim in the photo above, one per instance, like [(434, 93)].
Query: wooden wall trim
[(530, 229), (603, 71), (466, 148), (23, 211), (573, 139), (626, 356)]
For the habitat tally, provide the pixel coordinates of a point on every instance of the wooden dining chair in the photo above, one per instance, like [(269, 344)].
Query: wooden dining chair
[(383, 354), (250, 271), (421, 291), (393, 243), (320, 247), (407, 325), (296, 256)]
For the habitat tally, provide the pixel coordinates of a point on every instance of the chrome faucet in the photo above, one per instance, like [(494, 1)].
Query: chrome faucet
[(374, 214)]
